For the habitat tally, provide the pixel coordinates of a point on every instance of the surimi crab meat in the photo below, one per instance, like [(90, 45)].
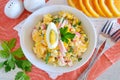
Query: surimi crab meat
[(62, 48)]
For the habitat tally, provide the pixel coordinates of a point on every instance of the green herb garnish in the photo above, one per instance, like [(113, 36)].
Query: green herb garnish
[(22, 76), (18, 53), (79, 23), (71, 49), (13, 59), (1, 64), (56, 20), (39, 28), (4, 54), (86, 39), (24, 65), (47, 57), (10, 63), (74, 25), (79, 59), (65, 36)]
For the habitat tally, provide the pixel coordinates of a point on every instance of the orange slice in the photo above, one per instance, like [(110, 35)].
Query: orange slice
[(83, 8), (112, 8), (76, 3), (70, 2), (105, 8), (89, 8), (97, 7), (117, 4)]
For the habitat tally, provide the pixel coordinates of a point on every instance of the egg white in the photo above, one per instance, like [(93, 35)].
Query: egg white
[(50, 27)]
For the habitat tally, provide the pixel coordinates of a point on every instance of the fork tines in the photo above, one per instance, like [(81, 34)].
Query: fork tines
[(107, 27), (116, 35)]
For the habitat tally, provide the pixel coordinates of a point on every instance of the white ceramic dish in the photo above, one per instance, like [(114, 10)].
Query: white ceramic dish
[(27, 42)]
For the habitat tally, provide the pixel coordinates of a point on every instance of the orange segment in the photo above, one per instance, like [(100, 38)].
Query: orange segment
[(105, 8), (112, 8), (89, 8), (83, 8), (97, 7)]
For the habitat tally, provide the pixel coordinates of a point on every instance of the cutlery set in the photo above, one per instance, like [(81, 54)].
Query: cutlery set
[(101, 46)]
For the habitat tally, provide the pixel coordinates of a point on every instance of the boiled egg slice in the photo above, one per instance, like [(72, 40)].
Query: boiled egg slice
[(52, 36)]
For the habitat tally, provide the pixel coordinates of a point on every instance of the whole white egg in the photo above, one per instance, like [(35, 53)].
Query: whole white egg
[(32, 5), (14, 8)]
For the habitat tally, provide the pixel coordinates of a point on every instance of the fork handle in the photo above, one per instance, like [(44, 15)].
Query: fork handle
[(98, 52), (84, 75)]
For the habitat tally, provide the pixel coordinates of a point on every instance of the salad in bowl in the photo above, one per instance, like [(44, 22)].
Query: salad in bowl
[(58, 38)]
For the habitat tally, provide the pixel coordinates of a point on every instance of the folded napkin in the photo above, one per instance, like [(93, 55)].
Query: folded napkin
[(107, 59)]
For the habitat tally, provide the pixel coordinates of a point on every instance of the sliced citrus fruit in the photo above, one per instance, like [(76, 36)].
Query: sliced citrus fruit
[(83, 8), (70, 2), (105, 8), (77, 5), (112, 8), (89, 8), (97, 7), (74, 3), (117, 4)]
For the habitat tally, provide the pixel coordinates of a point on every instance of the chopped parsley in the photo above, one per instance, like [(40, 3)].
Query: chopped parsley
[(71, 49), (79, 59), (56, 20), (47, 57), (86, 39), (74, 25), (79, 23)]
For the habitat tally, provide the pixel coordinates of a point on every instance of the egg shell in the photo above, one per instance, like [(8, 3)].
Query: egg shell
[(32, 5), (14, 8)]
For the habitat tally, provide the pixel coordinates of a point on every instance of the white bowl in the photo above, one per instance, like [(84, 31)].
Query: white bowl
[(27, 42)]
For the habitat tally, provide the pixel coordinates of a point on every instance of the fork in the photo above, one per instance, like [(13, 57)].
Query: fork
[(101, 47)]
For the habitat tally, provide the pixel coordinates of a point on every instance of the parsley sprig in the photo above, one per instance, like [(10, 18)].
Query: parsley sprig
[(65, 35), (13, 59), (22, 76)]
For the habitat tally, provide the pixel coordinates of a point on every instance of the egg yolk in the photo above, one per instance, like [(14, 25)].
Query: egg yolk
[(52, 36)]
